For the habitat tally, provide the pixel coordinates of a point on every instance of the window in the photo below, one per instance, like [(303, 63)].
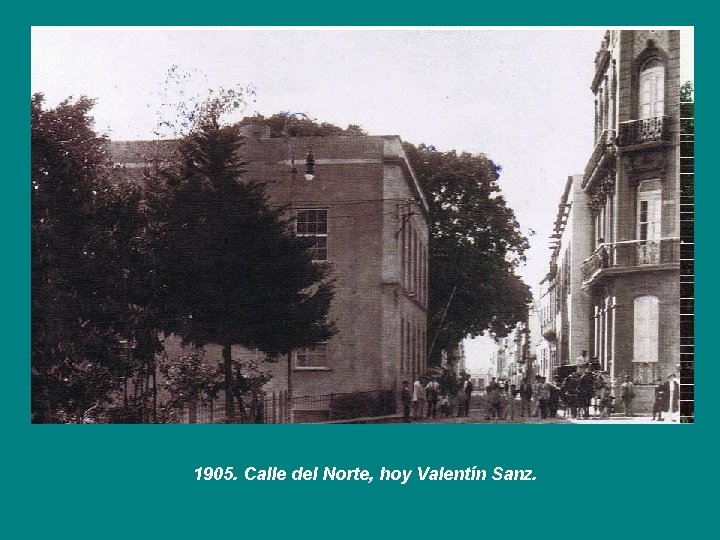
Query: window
[(313, 224), (408, 351), (648, 221), (312, 357), (645, 329), (402, 344), (648, 218), (652, 89)]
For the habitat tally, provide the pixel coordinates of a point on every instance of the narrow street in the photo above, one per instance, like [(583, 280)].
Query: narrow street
[(478, 415)]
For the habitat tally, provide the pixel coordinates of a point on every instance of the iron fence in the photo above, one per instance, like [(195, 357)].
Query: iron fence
[(277, 409)]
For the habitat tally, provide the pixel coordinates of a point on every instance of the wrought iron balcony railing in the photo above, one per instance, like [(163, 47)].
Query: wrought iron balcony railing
[(629, 254), (648, 130)]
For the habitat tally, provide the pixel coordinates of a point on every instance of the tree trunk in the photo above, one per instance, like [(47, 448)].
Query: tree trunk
[(154, 391), (228, 384), (192, 412)]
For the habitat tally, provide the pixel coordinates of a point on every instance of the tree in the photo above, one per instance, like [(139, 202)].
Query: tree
[(72, 367), (121, 266), (475, 246), (234, 273), (687, 121), (303, 126), (66, 161), (189, 379), (92, 271)]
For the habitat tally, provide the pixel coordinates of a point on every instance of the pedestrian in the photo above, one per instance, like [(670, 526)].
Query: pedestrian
[(600, 385), (503, 403), (585, 390), (492, 396), (569, 393), (627, 393), (405, 398), (468, 387), (659, 402), (465, 394), (432, 391), (493, 401), (671, 399), (554, 403), (525, 397), (513, 396), (543, 398), (606, 402), (536, 396), (418, 399), (445, 406)]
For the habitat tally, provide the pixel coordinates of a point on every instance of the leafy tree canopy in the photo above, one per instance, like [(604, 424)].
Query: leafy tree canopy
[(687, 92), (92, 276), (300, 125), (475, 246)]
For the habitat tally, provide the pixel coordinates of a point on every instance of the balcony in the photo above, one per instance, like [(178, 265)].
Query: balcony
[(604, 143), (632, 255), (649, 130)]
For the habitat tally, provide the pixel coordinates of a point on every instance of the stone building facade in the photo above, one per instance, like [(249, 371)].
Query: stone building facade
[(632, 184), (366, 208)]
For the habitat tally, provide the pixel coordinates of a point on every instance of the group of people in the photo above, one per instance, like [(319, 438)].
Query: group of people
[(583, 393), (500, 400), (427, 399), (536, 397), (577, 396), (667, 398)]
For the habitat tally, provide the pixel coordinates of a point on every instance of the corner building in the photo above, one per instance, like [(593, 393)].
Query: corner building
[(368, 218), (632, 184)]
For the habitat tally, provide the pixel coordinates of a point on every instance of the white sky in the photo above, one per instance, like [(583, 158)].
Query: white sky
[(521, 96)]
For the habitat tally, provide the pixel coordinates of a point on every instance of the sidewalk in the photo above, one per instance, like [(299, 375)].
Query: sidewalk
[(478, 416), (620, 420)]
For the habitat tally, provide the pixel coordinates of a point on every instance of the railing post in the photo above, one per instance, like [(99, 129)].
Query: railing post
[(274, 405)]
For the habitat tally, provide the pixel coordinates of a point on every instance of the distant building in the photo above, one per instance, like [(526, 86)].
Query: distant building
[(367, 216), (512, 354), (564, 306)]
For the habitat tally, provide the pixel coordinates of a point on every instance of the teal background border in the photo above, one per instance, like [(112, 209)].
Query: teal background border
[(138, 481)]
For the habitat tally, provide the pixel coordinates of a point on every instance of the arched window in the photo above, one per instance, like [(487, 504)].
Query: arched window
[(645, 329), (652, 89)]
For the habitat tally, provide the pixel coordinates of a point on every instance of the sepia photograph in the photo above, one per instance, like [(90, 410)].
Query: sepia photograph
[(362, 225)]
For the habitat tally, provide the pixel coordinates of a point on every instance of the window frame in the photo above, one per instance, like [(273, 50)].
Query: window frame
[(325, 367), (649, 192), (313, 250), (651, 80)]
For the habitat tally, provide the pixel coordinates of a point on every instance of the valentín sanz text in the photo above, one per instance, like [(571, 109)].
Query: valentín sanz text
[(403, 476)]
